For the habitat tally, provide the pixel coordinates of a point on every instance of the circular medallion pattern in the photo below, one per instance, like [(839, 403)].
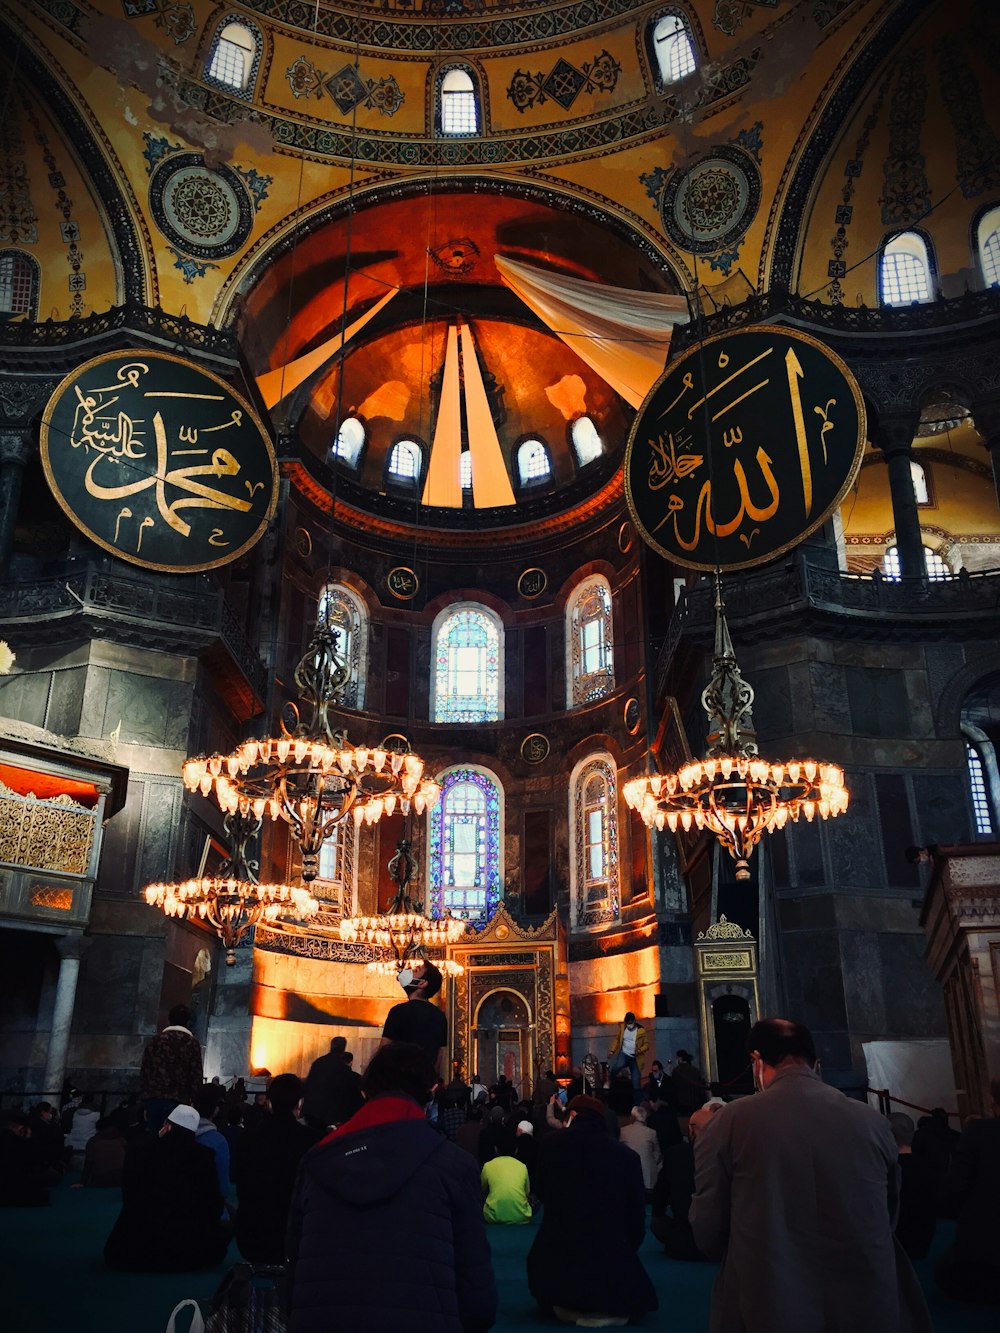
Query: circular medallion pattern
[(711, 204), (532, 583), (632, 716), (205, 211), (535, 748)]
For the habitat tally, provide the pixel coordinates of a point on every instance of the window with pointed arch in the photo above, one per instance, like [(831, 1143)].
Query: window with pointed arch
[(980, 795), (467, 650), (19, 282), (465, 841), (988, 245), (234, 56), (669, 39), (344, 611), (590, 666), (935, 565), (458, 103), (918, 476), (905, 270), (406, 462), (595, 899), (533, 466)]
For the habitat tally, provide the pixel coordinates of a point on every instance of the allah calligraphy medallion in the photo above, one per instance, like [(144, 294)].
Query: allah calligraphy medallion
[(159, 461), (743, 447)]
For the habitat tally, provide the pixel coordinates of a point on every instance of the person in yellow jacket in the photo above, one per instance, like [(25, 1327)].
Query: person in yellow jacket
[(629, 1050)]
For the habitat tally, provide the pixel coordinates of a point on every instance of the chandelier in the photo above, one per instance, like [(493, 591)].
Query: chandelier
[(309, 775), (734, 793), (232, 900), (403, 928)]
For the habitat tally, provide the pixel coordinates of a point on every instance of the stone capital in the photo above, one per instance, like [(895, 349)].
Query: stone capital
[(16, 446), (895, 434), (71, 946)]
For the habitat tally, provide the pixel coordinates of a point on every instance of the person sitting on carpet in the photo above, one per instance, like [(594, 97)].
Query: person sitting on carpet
[(265, 1164), (171, 1204), (505, 1181), (22, 1165)]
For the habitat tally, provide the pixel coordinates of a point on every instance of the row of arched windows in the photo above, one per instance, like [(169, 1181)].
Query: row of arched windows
[(906, 272), (465, 844), (408, 457), (467, 652), (235, 53)]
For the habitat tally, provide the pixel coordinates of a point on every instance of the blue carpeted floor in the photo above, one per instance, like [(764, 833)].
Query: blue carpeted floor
[(53, 1280)]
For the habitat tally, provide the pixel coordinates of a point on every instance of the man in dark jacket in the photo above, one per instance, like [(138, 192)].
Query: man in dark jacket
[(265, 1164), (333, 1089), (415, 1019), (386, 1229), (970, 1269), (584, 1261), (171, 1204)]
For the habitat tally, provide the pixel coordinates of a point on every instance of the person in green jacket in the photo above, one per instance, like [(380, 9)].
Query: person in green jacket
[(505, 1183)]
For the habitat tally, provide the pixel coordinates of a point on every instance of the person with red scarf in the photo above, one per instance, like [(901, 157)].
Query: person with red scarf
[(386, 1227)]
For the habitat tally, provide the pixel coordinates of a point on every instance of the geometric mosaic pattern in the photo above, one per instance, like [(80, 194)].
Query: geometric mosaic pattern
[(349, 90), (564, 82), (906, 194)]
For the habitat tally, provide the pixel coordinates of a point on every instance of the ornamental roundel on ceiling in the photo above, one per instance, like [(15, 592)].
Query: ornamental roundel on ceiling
[(207, 211), (710, 205)]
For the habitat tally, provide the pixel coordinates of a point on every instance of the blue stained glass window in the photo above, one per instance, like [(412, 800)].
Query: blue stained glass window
[(467, 667), (464, 840)]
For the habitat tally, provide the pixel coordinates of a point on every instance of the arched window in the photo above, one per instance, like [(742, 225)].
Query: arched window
[(467, 648), (349, 442), (905, 270), (406, 462), (335, 885), (458, 102), (936, 567), (587, 444), (988, 245), (594, 824), (673, 49), (980, 799), (465, 469), (590, 666), (344, 611), (465, 842), (533, 463), (234, 57), (19, 275), (919, 478)]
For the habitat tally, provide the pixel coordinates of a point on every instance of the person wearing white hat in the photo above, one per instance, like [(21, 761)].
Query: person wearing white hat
[(171, 1204)]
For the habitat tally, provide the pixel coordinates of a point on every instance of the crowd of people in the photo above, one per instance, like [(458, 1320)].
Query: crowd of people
[(323, 1177)]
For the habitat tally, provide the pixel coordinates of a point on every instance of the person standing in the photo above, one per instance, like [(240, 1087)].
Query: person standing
[(970, 1268), (796, 1191), (658, 1087), (638, 1136), (332, 1089), (171, 1072), (628, 1051), (265, 1165), (416, 1020), (584, 1264), (386, 1228), (689, 1087)]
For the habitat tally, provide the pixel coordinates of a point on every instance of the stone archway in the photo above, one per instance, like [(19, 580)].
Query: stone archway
[(503, 1035)]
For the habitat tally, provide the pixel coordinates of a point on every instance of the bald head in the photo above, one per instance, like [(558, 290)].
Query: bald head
[(700, 1118), (776, 1040)]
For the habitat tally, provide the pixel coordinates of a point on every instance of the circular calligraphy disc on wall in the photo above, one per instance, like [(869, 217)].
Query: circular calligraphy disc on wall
[(532, 583), (743, 447), (535, 748), (159, 461), (402, 582)]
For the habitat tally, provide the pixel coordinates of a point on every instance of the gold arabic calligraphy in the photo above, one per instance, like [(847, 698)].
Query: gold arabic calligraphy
[(674, 454), (116, 438)]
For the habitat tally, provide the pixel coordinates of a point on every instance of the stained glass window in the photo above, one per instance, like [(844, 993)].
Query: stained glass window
[(595, 837), (464, 838), (459, 105), (344, 611), (466, 685), (18, 284), (334, 886), (590, 666)]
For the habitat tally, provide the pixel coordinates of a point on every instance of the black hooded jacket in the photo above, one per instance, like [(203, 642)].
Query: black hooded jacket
[(386, 1230)]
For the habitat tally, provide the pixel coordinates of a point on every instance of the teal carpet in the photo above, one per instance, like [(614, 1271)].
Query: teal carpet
[(53, 1280)]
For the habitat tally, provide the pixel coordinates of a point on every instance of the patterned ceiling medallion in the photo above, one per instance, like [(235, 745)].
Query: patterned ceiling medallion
[(457, 257), (207, 212), (711, 204), (535, 748)]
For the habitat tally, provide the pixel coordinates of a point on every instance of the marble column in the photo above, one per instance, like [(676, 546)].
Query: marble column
[(70, 948), (894, 436), (15, 451), (986, 416)]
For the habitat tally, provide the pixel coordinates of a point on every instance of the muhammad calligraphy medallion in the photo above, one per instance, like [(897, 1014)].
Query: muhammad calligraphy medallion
[(159, 461), (743, 447)]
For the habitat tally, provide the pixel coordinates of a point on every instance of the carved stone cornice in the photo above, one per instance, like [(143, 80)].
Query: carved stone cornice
[(723, 930)]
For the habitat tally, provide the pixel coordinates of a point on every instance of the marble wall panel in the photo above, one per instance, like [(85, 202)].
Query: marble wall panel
[(944, 812), (863, 990), (151, 711), (879, 705), (853, 839), (830, 704), (66, 701), (814, 984), (25, 696), (108, 988), (772, 705), (160, 829), (806, 855), (913, 998)]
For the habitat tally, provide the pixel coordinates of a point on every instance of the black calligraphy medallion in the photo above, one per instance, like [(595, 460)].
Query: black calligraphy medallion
[(743, 447), (159, 461)]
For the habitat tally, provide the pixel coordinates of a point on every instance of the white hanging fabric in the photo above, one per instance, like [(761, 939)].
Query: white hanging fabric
[(490, 480), (623, 335), (444, 485), (274, 385)]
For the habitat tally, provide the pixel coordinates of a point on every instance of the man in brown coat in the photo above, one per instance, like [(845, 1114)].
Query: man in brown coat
[(796, 1191)]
